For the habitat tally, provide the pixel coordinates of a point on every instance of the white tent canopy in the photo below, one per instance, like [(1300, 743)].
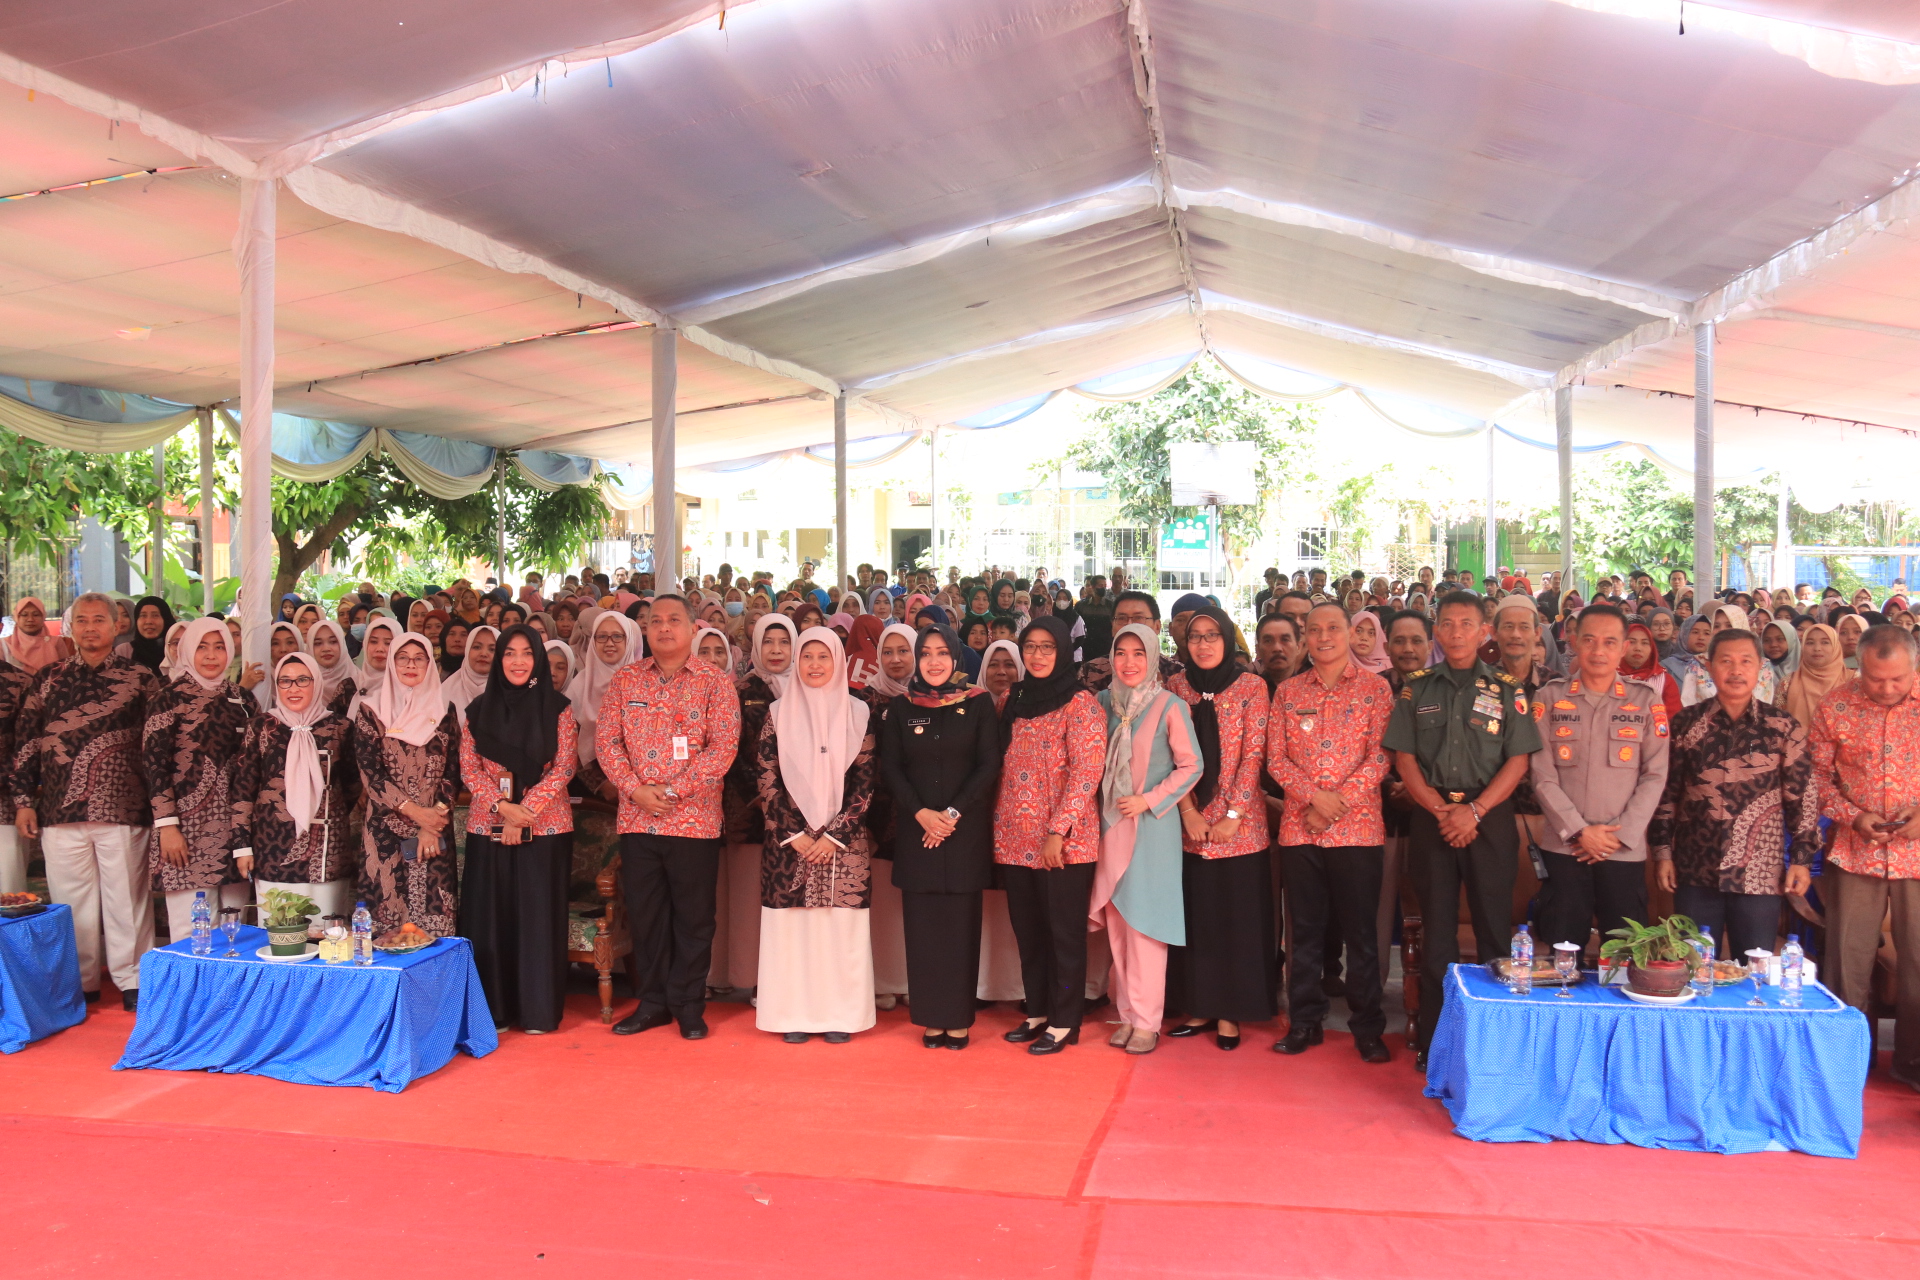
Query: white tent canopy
[(934, 209)]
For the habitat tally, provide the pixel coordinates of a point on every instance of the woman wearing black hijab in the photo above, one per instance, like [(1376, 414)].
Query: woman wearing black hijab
[(939, 757), (1224, 975), (1046, 831), (152, 619), (517, 754)]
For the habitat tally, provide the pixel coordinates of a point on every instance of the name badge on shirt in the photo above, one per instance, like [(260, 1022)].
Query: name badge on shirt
[(680, 747)]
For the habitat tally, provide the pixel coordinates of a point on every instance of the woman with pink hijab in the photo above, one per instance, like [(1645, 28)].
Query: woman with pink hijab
[(1368, 644), (32, 646)]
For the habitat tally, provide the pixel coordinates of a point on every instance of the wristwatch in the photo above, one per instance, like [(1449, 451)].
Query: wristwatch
[(952, 813)]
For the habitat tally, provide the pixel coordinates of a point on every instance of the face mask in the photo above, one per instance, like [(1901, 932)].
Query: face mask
[(736, 607), (358, 630)]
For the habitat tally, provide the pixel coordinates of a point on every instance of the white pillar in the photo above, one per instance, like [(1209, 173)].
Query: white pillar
[(933, 470), (1563, 434), (1782, 541), (205, 422), (254, 247), (840, 491), (1706, 572), (1493, 532), (666, 521), (500, 518), (157, 551)]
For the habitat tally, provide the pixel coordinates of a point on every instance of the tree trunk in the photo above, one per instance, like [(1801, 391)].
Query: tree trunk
[(296, 557)]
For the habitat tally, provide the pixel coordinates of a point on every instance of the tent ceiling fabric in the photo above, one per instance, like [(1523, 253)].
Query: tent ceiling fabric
[(943, 207)]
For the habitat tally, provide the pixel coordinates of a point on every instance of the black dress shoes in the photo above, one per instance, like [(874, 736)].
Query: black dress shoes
[(693, 1029), (1046, 1044), (1420, 1061), (1372, 1049), (796, 1037), (640, 1020), (1223, 1041), (836, 1037), (130, 1000), (1300, 1039), (933, 1040), (1186, 1029), (1026, 1031)]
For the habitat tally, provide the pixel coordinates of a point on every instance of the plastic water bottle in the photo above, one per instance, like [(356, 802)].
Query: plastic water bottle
[(1790, 957), (1702, 980), (362, 934), (202, 924), (1520, 963)]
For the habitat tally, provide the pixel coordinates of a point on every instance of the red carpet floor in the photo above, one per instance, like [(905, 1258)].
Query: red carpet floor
[(743, 1156)]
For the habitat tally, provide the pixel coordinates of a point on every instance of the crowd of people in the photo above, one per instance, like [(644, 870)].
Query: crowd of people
[(833, 797)]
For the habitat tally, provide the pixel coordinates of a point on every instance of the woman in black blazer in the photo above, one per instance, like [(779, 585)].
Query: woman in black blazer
[(940, 757)]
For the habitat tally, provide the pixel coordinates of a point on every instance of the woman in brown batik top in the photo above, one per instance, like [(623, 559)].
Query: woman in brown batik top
[(815, 757), (190, 746), (293, 791), (407, 745)]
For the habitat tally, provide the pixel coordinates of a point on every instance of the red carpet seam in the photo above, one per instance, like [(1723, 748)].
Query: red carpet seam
[(1099, 1136)]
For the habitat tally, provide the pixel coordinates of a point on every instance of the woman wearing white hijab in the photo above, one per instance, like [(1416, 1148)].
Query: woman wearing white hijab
[(710, 645), (470, 681), (375, 644), (191, 746), (327, 645), (560, 662), (406, 742), (613, 642), (736, 948), (815, 762), (294, 791), (170, 668), (892, 671)]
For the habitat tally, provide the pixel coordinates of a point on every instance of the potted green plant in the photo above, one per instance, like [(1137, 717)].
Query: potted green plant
[(1659, 957), (286, 921)]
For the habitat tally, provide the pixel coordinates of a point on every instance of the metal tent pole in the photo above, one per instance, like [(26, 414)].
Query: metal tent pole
[(255, 245), (205, 422), (840, 491), (1705, 570), (1563, 434), (666, 522)]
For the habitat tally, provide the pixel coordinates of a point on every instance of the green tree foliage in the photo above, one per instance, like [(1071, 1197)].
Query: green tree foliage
[(1127, 445), (45, 492), (378, 510)]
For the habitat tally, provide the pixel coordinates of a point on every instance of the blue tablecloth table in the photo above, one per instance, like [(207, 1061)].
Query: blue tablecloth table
[(308, 1022), (1716, 1074), (39, 978)]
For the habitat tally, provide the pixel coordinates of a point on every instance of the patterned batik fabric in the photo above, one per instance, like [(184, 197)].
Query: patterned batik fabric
[(14, 684), (1738, 791), (1866, 759), (553, 815), (680, 731), (330, 849), (1050, 785), (78, 755), (192, 742), (787, 879), (1321, 739), (1242, 710), (425, 890)]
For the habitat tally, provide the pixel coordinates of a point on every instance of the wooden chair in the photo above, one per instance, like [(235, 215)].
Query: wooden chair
[(597, 930)]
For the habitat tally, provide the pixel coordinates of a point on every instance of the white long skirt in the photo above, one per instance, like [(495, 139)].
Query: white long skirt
[(889, 933), (1000, 977), (816, 970)]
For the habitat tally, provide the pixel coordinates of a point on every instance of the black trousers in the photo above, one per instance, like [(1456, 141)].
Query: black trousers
[(1740, 921), (513, 908), (1049, 913), (1488, 868), (943, 956), (1226, 969), (1575, 891), (1335, 894), (670, 883)]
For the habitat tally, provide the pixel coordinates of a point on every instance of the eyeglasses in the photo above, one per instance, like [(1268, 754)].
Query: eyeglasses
[(411, 657), (1039, 647), (293, 682)]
